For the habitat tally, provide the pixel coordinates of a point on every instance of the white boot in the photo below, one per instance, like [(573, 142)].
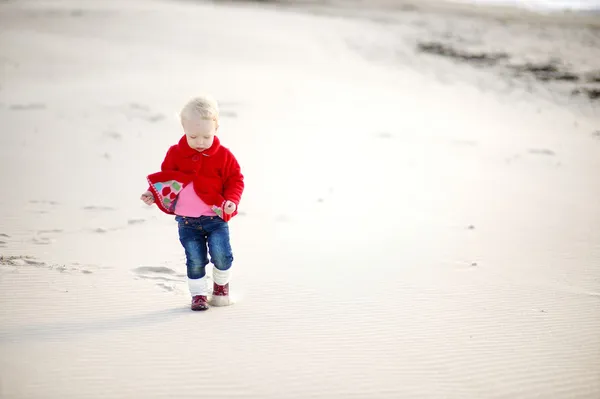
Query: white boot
[(199, 292), (220, 296), (198, 286)]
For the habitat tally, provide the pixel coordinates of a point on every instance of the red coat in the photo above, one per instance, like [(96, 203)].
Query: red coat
[(215, 172)]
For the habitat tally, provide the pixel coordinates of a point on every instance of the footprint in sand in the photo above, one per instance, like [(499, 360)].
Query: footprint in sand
[(34, 262), (139, 107), (20, 261), (26, 260), (541, 151), (50, 231), (140, 111), (27, 107), (97, 208), (154, 269), (166, 287), (41, 240), (111, 134), (104, 230), (45, 237), (43, 206), (537, 153), (43, 202), (165, 278), (78, 267)]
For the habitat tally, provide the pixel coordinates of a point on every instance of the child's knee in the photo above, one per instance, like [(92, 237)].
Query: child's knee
[(196, 268), (222, 261)]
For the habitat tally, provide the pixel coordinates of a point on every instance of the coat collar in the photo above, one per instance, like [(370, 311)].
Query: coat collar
[(189, 151)]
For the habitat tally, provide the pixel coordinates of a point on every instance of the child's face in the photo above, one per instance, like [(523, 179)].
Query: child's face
[(200, 133)]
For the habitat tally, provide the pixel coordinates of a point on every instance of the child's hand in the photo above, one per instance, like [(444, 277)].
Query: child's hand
[(229, 207), (148, 198)]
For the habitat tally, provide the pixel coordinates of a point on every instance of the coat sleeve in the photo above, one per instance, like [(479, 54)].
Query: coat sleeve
[(168, 163), (233, 186)]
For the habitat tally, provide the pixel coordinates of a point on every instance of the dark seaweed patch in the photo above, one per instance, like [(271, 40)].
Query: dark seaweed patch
[(444, 50)]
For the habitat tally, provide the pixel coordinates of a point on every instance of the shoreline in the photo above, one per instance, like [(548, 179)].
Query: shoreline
[(552, 55), (563, 17)]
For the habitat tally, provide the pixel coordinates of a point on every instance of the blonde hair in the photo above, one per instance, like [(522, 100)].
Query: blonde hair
[(201, 107)]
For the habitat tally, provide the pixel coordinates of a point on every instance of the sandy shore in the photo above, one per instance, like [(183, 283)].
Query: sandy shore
[(421, 216)]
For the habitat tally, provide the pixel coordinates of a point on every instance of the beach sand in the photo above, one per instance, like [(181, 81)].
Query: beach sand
[(421, 214)]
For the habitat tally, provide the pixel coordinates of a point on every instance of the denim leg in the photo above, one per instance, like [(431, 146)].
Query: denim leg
[(193, 239), (219, 246)]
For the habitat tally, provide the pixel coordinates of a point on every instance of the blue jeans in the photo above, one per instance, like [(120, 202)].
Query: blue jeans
[(195, 234)]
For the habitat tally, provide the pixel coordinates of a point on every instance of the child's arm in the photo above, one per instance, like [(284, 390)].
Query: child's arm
[(167, 164), (234, 181)]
